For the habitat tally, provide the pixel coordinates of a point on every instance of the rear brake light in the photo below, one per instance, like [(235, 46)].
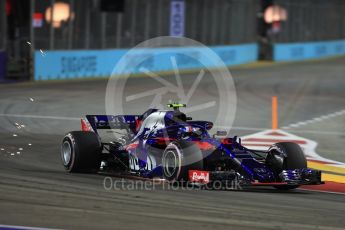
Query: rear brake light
[(85, 125)]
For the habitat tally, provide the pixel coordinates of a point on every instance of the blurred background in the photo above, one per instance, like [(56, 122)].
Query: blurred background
[(27, 26)]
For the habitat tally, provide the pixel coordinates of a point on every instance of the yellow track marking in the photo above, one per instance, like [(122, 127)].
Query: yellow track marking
[(333, 178), (329, 168)]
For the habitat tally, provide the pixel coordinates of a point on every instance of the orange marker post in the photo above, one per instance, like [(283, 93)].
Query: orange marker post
[(274, 112)]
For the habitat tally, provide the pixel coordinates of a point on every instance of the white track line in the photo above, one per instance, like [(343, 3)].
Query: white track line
[(303, 131), (318, 132), (24, 227), (315, 119), (216, 127), (39, 117), (238, 128)]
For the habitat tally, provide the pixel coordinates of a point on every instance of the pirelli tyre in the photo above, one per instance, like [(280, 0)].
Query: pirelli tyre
[(81, 151), (178, 158), (289, 156)]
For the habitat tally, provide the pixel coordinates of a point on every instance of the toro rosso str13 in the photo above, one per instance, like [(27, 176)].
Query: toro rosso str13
[(170, 145)]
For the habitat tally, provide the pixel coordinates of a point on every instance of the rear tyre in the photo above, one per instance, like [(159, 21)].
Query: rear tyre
[(292, 158), (81, 152), (178, 158)]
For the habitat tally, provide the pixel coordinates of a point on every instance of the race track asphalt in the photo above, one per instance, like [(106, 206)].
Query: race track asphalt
[(35, 190)]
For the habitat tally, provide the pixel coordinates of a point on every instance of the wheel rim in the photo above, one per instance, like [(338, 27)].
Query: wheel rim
[(66, 152), (170, 163)]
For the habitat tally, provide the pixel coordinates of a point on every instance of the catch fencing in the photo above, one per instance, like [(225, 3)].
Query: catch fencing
[(212, 22)]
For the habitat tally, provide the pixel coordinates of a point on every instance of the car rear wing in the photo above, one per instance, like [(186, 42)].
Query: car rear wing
[(96, 122)]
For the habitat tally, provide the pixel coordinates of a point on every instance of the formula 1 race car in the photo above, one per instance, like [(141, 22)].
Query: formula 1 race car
[(168, 144)]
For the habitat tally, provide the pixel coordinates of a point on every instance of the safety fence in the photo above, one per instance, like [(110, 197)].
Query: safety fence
[(311, 20), (87, 26)]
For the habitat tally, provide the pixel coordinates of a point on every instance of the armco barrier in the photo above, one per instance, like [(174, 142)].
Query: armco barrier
[(101, 63), (308, 50), (2, 65)]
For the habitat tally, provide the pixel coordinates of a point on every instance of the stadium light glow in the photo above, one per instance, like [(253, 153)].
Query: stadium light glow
[(275, 13), (61, 12)]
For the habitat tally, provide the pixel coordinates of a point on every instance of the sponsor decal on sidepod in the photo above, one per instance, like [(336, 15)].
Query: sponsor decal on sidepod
[(199, 176)]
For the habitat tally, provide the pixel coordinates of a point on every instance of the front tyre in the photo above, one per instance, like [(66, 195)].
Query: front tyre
[(178, 158), (292, 157), (81, 151)]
